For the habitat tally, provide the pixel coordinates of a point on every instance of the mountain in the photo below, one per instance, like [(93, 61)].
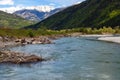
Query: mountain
[(12, 21), (52, 12), (42, 8), (35, 15), (90, 13)]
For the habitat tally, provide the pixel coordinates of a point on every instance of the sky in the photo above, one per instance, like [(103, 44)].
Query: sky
[(10, 6), (55, 3)]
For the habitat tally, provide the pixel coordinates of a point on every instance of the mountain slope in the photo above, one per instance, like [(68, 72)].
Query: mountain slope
[(35, 15), (52, 12), (90, 13), (32, 15), (12, 21)]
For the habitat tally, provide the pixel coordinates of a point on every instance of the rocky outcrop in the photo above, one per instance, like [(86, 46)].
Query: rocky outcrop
[(12, 41), (40, 40), (18, 58)]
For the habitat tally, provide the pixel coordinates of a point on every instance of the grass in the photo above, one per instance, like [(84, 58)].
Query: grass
[(45, 32)]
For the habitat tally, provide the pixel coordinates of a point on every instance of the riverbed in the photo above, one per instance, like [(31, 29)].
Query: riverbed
[(71, 58)]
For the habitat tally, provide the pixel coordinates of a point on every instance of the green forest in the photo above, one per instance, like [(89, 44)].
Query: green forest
[(88, 17), (12, 21), (90, 13)]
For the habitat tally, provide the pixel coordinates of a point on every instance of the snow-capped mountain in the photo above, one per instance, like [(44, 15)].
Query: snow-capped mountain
[(43, 8), (35, 15), (53, 12)]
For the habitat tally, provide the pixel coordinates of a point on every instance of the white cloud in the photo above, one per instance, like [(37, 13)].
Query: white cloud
[(6, 2), (43, 8)]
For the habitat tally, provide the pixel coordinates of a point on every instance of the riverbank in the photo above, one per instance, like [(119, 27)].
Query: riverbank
[(8, 41), (97, 35), (110, 39), (7, 56), (18, 58), (105, 37)]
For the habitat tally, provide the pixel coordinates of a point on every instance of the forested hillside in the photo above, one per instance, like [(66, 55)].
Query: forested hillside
[(12, 21), (90, 13)]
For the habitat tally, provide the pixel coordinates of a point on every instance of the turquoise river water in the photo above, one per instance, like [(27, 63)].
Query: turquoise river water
[(70, 59)]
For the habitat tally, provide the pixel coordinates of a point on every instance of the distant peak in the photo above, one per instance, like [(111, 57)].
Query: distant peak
[(42, 8)]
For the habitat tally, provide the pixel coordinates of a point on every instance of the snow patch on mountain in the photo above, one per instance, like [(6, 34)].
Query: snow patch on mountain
[(42, 8)]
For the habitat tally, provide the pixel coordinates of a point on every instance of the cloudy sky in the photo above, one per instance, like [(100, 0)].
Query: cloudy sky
[(55, 3)]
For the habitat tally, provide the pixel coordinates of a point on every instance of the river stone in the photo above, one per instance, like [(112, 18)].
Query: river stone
[(18, 58)]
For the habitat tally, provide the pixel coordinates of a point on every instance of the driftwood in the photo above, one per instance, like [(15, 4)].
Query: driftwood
[(18, 58)]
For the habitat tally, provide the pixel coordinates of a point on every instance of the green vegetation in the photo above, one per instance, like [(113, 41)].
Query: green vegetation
[(114, 13), (28, 32), (97, 14), (12, 21), (34, 33), (92, 13)]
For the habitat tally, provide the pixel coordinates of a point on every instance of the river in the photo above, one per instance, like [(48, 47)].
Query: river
[(69, 59)]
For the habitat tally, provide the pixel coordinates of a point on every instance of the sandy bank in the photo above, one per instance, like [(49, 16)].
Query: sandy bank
[(104, 37), (96, 35), (110, 39)]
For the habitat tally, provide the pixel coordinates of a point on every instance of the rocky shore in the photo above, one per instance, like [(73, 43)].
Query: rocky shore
[(7, 56), (8, 41), (18, 58)]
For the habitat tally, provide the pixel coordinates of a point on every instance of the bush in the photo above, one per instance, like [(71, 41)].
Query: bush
[(35, 33)]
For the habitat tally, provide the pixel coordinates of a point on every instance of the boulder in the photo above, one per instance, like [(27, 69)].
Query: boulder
[(18, 58)]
